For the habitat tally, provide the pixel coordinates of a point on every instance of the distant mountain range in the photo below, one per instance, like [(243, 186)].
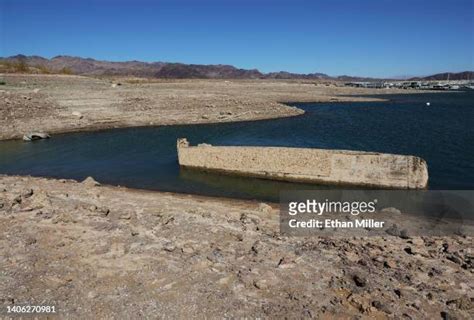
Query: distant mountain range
[(466, 75), (166, 70)]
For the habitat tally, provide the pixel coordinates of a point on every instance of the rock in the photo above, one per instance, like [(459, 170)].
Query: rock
[(78, 114), (389, 263), (359, 302), (418, 241), (169, 246), (36, 90), (104, 211), (263, 207), (352, 256), (205, 116), (359, 280), (225, 280), (462, 303), (391, 210), (187, 250), (125, 216), (90, 182), (98, 211), (215, 256), (404, 234), (29, 241), (261, 284), (377, 259), (286, 263), (63, 218), (17, 200), (393, 230), (256, 247), (447, 315), (27, 193), (380, 306), (396, 232), (239, 237), (398, 292), (35, 136), (454, 259)]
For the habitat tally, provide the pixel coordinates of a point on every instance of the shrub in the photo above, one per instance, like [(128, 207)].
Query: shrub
[(43, 69), (6, 64), (65, 70), (21, 66)]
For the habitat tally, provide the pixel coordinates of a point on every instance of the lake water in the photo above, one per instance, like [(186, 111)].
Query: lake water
[(442, 134)]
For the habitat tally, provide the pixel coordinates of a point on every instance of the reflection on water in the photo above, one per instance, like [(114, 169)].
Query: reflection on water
[(245, 187), (146, 158)]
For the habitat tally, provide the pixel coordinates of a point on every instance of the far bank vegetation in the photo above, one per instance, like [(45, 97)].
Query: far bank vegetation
[(21, 66)]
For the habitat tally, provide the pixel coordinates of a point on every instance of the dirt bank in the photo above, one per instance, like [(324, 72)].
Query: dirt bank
[(108, 252), (61, 103)]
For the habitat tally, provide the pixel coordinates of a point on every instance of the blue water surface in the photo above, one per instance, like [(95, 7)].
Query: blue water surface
[(442, 134)]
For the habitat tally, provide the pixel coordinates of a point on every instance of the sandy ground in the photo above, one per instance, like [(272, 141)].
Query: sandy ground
[(61, 103), (108, 252)]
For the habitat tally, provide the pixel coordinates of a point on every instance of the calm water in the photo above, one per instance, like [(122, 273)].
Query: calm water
[(442, 134)]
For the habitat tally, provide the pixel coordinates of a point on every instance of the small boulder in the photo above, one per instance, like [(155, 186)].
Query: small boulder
[(391, 210), (359, 280), (90, 182), (393, 230), (390, 263), (35, 136), (78, 114), (462, 303), (261, 284), (263, 207), (169, 246)]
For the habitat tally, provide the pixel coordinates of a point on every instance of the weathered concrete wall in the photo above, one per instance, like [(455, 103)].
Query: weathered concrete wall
[(309, 165)]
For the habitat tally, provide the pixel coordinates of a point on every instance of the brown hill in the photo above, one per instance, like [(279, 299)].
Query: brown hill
[(88, 66), (466, 75)]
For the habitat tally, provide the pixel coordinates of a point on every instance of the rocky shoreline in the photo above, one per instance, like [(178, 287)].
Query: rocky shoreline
[(104, 252)]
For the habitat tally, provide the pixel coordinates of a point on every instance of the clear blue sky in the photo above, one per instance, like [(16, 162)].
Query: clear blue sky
[(356, 37)]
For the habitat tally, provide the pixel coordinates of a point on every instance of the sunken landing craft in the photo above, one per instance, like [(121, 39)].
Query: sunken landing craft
[(308, 165)]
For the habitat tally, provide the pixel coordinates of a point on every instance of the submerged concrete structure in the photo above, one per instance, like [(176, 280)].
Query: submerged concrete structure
[(308, 165)]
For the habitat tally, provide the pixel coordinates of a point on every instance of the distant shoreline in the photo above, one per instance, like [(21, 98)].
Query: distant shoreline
[(66, 104)]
